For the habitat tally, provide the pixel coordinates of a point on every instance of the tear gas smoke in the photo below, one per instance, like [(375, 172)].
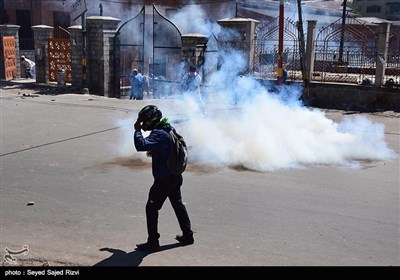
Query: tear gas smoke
[(269, 131), (267, 134), (251, 127), (193, 19)]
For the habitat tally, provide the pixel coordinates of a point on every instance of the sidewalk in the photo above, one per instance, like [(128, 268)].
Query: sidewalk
[(38, 88)]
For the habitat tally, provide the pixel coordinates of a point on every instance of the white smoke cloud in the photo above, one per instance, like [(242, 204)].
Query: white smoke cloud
[(193, 19), (265, 133), (249, 126), (270, 131)]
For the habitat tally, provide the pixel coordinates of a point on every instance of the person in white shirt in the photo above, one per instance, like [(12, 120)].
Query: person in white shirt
[(29, 67), (191, 83)]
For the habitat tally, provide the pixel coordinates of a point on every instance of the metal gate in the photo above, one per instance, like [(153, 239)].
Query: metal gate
[(392, 77), (167, 67), (266, 54), (10, 64), (129, 46), (59, 54), (345, 53)]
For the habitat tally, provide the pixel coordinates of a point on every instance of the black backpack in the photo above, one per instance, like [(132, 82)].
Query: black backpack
[(178, 157)]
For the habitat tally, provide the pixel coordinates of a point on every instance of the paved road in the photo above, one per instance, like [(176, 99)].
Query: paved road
[(68, 155)]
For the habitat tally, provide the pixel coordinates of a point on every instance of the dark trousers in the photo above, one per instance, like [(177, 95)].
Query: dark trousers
[(159, 191)]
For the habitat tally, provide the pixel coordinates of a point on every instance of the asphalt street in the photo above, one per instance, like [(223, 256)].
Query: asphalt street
[(74, 198)]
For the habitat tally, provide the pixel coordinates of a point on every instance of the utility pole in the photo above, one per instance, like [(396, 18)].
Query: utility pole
[(78, 9), (280, 45), (236, 10), (31, 7), (342, 33), (84, 62), (303, 65)]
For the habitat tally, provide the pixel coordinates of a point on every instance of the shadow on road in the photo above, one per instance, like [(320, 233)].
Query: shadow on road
[(134, 258)]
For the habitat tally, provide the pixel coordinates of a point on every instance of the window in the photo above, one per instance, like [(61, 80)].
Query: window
[(373, 9), (394, 8)]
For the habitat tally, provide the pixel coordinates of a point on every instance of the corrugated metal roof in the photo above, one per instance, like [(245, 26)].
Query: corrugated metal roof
[(373, 20), (271, 9)]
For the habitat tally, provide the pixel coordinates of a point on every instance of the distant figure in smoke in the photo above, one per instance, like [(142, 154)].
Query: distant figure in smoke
[(284, 76), (159, 86), (146, 85), (30, 67), (166, 185), (137, 82), (191, 83)]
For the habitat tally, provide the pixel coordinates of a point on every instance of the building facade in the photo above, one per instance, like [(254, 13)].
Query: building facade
[(385, 9), (55, 13), (27, 13)]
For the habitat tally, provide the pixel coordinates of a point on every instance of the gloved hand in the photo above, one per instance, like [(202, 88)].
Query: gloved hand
[(137, 125)]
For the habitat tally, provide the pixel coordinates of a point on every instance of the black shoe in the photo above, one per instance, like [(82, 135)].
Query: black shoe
[(185, 239), (149, 246)]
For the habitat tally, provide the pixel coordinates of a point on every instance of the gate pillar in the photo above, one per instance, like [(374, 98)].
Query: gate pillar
[(41, 34), (193, 46), (101, 31), (244, 42), (9, 30), (310, 48), (383, 42), (76, 55)]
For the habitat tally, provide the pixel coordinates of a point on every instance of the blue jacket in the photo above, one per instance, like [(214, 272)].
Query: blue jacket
[(158, 143), (137, 82)]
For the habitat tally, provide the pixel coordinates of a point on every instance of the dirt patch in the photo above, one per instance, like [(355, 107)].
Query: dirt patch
[(127, 162), (139, 164)]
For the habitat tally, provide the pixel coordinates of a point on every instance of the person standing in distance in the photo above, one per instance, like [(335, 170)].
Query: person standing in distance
[(165, 185), (136, 85), (191, 83)]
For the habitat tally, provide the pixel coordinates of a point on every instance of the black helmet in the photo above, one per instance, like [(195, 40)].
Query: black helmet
[(150, 115), (192, 68)]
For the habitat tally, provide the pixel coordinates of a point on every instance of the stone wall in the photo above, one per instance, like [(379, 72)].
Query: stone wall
[(353, 97)]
